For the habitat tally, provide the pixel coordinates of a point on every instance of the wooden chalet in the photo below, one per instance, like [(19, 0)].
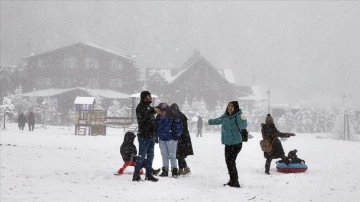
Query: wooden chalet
[(81, 65)]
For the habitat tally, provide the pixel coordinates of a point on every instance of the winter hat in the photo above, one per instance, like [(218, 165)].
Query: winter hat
[(292, 154), (174, 107), (162, 106), (129, 137), (269, 119), (143, 95)]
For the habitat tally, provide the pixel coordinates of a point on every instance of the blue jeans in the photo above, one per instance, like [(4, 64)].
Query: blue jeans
[(168, 151), (146, 149)]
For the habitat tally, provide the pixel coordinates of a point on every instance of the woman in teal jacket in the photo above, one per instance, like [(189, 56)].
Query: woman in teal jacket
[(233, 125)]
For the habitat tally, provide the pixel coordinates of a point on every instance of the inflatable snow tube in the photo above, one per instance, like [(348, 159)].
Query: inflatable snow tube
[(291, 168)]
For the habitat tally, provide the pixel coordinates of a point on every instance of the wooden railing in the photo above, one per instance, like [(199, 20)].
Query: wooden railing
[(122, 121)]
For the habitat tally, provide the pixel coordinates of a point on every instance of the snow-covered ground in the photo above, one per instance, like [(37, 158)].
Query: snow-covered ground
[(54, 165)]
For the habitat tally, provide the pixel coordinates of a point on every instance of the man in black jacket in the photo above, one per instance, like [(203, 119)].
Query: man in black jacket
[(146, 136)]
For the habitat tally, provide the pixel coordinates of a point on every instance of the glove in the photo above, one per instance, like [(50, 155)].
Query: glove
[(244, 132), (291, 134)]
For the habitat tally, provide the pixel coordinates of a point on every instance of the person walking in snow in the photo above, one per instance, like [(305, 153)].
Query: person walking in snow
[(233, 124), (21, 121), (146, 136), (184, 147), (271, 134), (169, 130), (199, 126), (31, 121)]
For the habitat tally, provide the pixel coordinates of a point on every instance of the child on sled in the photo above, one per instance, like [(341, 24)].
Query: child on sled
[(128, 153)]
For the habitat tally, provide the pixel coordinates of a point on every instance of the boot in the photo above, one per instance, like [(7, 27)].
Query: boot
[(174, 172), (156, 172), (187, 171), (233, 183), (267, 168), (181, 172), (151, 178), (165, 172), (136, 178)]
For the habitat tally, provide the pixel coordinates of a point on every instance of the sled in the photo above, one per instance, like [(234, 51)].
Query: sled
[(291, 168)]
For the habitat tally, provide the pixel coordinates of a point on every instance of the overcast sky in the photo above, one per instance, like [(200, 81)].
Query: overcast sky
[(302, 51)]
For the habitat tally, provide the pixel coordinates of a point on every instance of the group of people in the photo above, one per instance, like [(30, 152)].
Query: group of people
[(169, 129), (30, 119)]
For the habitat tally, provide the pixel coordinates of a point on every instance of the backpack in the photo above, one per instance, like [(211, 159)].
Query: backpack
[(265, 145)]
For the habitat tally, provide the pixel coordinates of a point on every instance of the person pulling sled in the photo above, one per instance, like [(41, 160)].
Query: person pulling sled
[(271, 144)]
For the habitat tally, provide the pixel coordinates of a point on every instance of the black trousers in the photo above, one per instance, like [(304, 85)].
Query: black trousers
[(231, 153), (182, 162), (269, 158)]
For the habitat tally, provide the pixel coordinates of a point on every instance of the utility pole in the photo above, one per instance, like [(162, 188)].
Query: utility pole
[(346, 125), (268, 92)]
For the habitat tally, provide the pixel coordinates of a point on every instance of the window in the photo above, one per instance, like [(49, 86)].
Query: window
[(116, 65), (47, 82), (66, 82), (115, 83), (91, 63), (70, 62), (40, 63)]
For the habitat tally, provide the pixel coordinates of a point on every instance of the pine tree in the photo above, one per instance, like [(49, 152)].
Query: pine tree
[(287, 122)]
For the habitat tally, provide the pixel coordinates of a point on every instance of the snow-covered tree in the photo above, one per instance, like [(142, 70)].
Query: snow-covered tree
[(48, 110), (116, 110), (287, 122), (6, 110), (255, 118)]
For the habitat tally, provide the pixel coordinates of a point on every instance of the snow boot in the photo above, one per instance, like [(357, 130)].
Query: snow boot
[(233, 183), (174, 172), (136, 178), (156, 172), (187, 171), (165, 172), (181, 172), (151, 178)]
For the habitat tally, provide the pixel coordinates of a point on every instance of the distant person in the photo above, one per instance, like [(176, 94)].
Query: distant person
[(233, 123), (146, 136), (184, 147), (271, 135), (199, 126), (169, 130), (21, 121), (31, 121)]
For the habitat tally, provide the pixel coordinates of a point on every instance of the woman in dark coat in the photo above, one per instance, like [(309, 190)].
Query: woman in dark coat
[(21, 121), (31, 121), (184, 147), (270, 133)]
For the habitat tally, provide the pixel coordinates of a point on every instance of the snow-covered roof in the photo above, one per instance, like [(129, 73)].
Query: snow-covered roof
[(105, 93), (47, 92), (84, 100), (82, 44), (254, 96), (228, 75)]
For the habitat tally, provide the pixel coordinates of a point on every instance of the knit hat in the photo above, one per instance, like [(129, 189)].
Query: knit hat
[(162, 106), (143, 95), (292, 154), (269, 119), (174, 107)]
